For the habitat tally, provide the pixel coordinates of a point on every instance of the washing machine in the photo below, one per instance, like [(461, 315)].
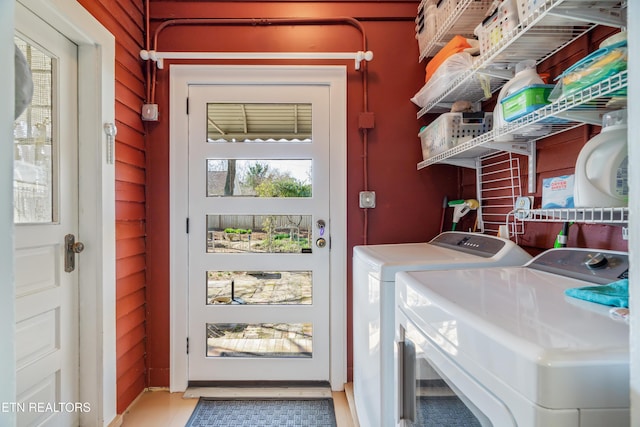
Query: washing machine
[(505, 346), (374, 269)]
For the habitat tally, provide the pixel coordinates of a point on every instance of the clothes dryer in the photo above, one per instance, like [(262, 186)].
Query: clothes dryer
[(512, 347), (374, 270)]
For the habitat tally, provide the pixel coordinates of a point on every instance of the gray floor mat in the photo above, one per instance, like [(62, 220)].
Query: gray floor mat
[(259, 413)]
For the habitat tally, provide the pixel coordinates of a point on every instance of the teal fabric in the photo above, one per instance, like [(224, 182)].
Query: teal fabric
[(615, 294)]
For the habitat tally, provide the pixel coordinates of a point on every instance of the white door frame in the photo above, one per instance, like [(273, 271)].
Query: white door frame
[(7, 282), (181, 76), (96, 105)]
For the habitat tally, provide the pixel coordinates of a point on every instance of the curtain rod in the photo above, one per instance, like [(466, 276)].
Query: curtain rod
[(159, 57)]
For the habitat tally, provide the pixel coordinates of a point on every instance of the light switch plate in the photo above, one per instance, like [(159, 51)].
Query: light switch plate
[(367, 199)]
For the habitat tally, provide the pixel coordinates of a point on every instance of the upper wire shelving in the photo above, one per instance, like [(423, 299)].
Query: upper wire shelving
[(547, 30)]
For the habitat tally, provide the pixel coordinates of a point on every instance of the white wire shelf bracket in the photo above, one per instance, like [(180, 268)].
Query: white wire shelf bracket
[(551, 27), (617, 215), (498, 186)]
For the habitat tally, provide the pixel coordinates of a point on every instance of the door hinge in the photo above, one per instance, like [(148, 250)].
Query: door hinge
[(187, 225), (187, 106), (187, 345)]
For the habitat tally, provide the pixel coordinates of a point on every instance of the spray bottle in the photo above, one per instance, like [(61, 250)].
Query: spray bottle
[(461, 208)]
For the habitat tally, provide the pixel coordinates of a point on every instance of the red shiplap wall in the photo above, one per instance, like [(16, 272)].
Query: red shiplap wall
[(125, 20)]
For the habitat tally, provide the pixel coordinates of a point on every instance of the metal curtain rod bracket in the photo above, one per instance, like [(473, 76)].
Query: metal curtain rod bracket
[(159, 57)]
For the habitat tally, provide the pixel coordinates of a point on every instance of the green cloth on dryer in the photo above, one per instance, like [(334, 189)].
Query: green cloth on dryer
[(615, 294)]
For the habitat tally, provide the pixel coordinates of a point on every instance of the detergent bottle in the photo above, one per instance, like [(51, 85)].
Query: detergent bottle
[(601, 178), (526, 75)]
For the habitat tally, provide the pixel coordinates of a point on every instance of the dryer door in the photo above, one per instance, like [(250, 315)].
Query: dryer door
[(441, 394)]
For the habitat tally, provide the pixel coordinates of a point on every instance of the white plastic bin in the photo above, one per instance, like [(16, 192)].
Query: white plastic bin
[(497, 27), (451, 129), (426, 26)]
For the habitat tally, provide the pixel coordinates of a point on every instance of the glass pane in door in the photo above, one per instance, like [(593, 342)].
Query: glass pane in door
[(259, 287), (289, 234), (34, 154), (259, 122), (259, 178), (275, 340)]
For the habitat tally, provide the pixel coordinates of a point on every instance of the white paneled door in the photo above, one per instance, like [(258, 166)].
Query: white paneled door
[(258, 227), (45, 212)]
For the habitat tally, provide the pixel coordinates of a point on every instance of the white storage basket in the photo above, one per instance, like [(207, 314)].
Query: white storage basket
[(451, 129), (497, 27), (426, 23)]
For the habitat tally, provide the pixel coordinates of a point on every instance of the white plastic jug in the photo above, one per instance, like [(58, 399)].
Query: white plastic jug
[(601, 178), (526, 75)]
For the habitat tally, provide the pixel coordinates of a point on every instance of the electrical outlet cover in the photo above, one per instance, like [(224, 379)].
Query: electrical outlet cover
[(367, 199), (150, 112)]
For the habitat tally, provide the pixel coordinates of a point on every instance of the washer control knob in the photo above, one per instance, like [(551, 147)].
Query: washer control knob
[(597, 261)]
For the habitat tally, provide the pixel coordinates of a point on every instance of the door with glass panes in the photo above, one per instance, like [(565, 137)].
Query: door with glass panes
[(258, 232), (45, 189)]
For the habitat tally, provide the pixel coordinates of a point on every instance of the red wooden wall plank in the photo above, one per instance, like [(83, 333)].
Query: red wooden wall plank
[(129, 115), (127, 96), (126, 395), (128, 211), (127, 191), (130, 339), (130, 358), (129, 136), (130, 247), (131, 155), (127, 230), (130, 77), (125, 172), (128, 266), (132, 307), (130, 284), (128, 63)]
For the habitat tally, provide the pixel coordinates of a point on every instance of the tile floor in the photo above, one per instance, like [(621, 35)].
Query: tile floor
[(159, 408)]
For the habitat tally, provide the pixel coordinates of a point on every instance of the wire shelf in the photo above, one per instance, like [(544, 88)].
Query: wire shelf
[(586, 106), (619, 215), (546, 31)]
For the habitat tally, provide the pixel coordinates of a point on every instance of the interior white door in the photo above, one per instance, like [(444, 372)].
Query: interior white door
[(258, 232), (45, 211)]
